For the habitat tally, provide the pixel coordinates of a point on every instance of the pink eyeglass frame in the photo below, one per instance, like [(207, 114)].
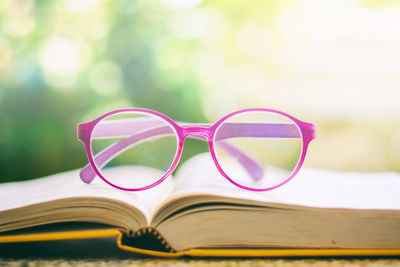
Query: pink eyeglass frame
[(85, 130)]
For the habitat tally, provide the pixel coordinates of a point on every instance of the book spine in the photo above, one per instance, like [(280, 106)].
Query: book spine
[(147, 238)]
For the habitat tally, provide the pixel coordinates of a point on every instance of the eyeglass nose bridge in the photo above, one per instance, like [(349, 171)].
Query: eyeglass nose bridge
[(196, 131)]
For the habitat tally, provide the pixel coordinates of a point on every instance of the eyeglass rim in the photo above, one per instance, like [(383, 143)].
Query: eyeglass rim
[(303, 128), (85, 130), (87, 140)]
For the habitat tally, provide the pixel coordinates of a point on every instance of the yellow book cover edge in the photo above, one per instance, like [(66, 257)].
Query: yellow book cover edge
[(87, 234), (282, 252)]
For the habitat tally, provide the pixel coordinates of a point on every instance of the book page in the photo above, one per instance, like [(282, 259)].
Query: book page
[(317, 209), (73, 193), (310, 187)]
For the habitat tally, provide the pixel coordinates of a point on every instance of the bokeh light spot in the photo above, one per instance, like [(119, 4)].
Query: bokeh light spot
[(204, 23), (61, 83), (60, 56), (106, 78), (25, 71), (6, 60), (17, 27)]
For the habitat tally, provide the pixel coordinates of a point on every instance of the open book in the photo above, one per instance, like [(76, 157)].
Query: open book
[(199, 213)]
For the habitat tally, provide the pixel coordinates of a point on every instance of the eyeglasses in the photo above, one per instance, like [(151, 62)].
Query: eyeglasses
[(255, 149)]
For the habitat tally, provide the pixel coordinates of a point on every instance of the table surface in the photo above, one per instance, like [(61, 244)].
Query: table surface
[(138, 260), (135, 261)]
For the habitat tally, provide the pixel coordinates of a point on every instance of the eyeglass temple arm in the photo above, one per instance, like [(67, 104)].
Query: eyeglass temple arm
[(87, 174), (251, 129)]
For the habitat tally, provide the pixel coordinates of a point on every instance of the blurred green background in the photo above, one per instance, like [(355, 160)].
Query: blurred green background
[(335, 63)]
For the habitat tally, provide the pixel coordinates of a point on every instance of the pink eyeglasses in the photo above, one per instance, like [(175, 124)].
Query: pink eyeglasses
[(255, 149)]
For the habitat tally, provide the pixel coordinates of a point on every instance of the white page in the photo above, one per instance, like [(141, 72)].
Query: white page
[(310, 187), (68, 185)]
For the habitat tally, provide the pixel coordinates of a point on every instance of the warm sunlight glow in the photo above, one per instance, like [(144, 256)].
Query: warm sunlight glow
[(80, 6), (255, 41), (181, 4)]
